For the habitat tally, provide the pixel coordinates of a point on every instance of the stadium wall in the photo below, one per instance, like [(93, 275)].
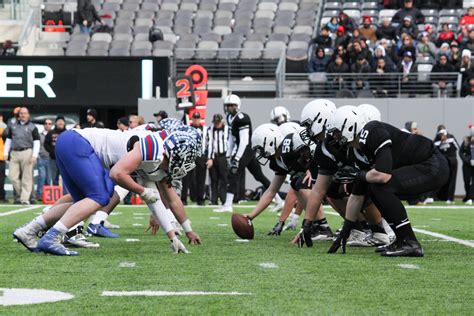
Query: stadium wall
[(455, 114)]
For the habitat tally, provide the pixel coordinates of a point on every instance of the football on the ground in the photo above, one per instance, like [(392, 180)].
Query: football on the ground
[(242, 226)]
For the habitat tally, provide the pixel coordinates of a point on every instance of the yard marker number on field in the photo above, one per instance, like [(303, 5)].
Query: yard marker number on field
[(168, 293), (31, 296)]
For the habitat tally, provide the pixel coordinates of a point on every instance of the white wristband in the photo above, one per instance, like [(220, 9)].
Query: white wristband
[(187, 226)]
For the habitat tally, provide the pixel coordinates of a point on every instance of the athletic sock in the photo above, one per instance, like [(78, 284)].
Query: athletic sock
[(99, 217), (229, 199), (278, 199), (358, 226), (404, 230), (60, 227)]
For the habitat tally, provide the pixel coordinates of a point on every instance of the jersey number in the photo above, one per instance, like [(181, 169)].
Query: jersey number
[(286, 146), (363, 136)]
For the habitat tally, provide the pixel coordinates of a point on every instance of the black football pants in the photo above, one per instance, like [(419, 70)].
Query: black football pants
[(218, 175)]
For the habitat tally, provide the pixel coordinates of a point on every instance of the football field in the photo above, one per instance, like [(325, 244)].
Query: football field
[(136, 274)]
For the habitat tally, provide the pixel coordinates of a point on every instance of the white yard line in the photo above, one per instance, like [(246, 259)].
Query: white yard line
[(167, 293), (21, 210), (432, 234)]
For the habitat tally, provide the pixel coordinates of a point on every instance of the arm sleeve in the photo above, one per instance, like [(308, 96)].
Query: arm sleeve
[(6, 148), (383, 160), (244, 136), (36, 148), (230, 146)]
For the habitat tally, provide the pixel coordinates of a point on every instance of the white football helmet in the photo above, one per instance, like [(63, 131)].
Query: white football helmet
[(288, 128), (371, 113), (346, 124), (316, 114), (279, 115), (232, 99), (265, 141)]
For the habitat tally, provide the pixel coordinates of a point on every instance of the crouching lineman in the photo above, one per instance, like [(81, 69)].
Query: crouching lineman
[(287, 155), (400, 165), (84, 155), (329, 157)]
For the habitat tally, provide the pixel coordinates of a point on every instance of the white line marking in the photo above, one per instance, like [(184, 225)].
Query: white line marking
[(432, 234), (137, 225), (21, 210), (139, 214), (214, 218), (31, 296), (242, 240), (408, 266), (222, 225), (168, 293), (435, 219), (268, 265), (138, 217), (421, 226), (132, 240), (126, 264), (445, 237), (115, 213)]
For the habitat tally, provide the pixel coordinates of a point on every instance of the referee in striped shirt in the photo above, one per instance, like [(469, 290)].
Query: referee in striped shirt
[(218, 135)]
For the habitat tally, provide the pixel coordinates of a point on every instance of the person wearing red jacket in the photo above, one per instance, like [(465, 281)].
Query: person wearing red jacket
[(468, 18)]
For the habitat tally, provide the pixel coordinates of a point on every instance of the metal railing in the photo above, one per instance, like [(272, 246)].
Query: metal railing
[(350, 85)]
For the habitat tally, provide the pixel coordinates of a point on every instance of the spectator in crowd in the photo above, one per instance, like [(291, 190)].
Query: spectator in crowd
[(122, 123), (195, 180), (425, 48), (218, 135), (468, 43), (361, 67), (367, 30), (382, 83), (468, 87), (342, 39), (355, 36), (431, 32), (379, 52), (355, 50), (319, 62), (44, 172), (91, 119), (333, 24), (323, 39), (407, 45), (24, 141), (408, 9), (3, 158), (160, 115), (386, 30), (466, 152), (468, 18), (135, 120), (87, 16), (442, 88), (455, 55), (8, 49), (408, 67), (444, 50), (445, 36), (412, 128), (50, 146), (408, 27), (340, 51), (347, 22), (448, 146), (337, 66)]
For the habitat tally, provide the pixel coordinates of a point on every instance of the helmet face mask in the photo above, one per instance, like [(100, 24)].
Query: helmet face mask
[(261, 155)]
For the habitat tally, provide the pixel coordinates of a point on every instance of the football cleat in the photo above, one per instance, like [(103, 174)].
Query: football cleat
[(51, 243), (109, 225), (429, 200), (223, 209), (100, 230), (79, 241), (468, 202), (373, 240), (357, 238), (322, 233), (277, 207), (27, 238), (404, 248)]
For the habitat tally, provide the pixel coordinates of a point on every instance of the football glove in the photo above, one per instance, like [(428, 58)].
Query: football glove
[(346, 174), (150, 195), (234, 165), (341, 240), (277, 229), (177, 246), (305, 234)]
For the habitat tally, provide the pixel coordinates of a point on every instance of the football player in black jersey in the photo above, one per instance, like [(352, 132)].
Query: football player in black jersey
[(330, 157), (287, 155), (239, 152), (401, 165)]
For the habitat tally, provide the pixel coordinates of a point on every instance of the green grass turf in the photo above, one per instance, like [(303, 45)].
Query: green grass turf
[(307, 281)]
